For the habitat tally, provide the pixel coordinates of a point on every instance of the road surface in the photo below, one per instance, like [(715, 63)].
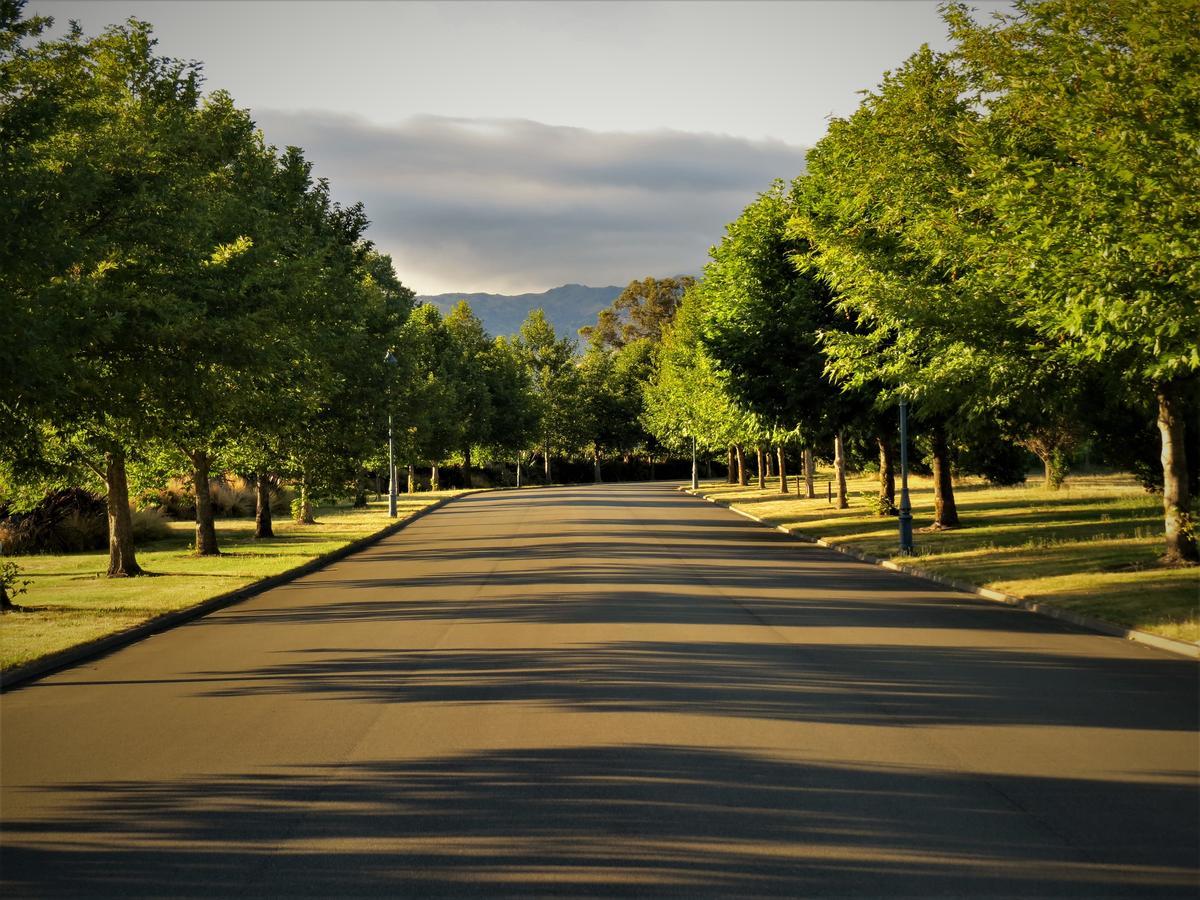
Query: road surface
[(606, 691)]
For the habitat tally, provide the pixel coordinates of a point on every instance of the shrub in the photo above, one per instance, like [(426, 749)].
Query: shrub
[(150, 525), (65, 521), (81, 530), (879, 505), (234, 499), (175, 500)]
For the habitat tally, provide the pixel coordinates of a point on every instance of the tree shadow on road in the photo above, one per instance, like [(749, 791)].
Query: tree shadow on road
[(608, 821)]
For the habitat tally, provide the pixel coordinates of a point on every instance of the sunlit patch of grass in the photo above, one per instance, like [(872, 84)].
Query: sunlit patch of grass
[(69, 601), (1091, 547)]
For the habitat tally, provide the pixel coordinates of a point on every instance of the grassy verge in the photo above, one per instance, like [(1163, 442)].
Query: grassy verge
[(1091, 547), (70, 602)]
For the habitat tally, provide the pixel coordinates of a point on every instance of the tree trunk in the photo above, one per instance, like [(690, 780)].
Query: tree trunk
[(378, 487), (944, 509), (770, 463), (412, 478), (783, 485), (1180, 534), (518, 469), (887, 473), (122, 563), (6, 604), (730, 467), (546, 451), (839, 464), (467, 482), (435, 477), (360, 490), (650, 460), (206, 528), (304, 512), (1047, 470), (743, 475), (596, 474), (262, 510), (810, 472), (762, 469)]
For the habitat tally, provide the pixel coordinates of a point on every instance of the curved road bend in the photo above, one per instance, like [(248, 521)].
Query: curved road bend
[(606, 691)]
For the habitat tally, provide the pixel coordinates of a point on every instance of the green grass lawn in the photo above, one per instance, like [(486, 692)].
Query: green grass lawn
[(70, 602), (1091, 547)]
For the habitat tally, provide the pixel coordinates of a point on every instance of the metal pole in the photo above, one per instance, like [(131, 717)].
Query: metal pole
[(695, 471), (391, 471), (906, 542)]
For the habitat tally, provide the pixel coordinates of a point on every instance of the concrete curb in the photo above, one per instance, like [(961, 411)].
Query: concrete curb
[(55, 662), (1170, 645)]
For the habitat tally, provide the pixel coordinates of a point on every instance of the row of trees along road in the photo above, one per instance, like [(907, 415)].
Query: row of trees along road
[(1006, 236), (1003, 235), (181, 297)]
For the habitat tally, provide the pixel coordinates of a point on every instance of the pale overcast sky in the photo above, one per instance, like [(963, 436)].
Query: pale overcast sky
[(517, 146)]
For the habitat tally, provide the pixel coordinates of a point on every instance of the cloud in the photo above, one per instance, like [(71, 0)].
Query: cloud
[(513, 205)]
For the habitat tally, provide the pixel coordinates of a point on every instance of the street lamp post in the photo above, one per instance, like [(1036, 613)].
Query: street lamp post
[(390, 359), (906, 542), (695, 471)]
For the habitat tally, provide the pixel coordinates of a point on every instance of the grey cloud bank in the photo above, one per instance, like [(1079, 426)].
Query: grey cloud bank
[(514, 205)]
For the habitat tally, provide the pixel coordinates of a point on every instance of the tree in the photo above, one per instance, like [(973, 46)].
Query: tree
[(688, 398), (765, 315), (427, 409), (515, 423), (106, 175), (882, 211), (476, 406), (1087, 161), (550, 361), (640, 312)]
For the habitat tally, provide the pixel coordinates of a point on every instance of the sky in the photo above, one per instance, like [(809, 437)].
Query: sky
[(516, 146)]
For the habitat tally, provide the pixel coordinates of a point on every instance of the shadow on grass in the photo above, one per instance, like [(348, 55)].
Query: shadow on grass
[(613, 821)]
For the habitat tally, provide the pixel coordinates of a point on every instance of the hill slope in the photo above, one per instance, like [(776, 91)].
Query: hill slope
[(568, 307)]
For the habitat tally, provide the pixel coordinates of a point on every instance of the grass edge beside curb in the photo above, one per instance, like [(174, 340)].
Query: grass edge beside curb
[(1090, 623), (22, 675)]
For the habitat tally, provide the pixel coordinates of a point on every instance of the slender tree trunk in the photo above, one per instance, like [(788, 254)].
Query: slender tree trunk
[(839, 464), (1180, 534), (546, 451), (435, 477), (412, 478), (206, 527), (887, 472), (122, 562), (262, 508), (743, 475), (762, 469), (944, 508), (783, 485), (597, 476), (360, 490), (650, 460), (770, 462), (810, 473), (6, 604), (730, 475), (708, 468), (304, 512), (378, 487), (518, 469), (1047, 470), (467, 482)]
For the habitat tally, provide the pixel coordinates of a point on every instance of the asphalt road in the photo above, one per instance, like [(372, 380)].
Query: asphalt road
[(606, 691)]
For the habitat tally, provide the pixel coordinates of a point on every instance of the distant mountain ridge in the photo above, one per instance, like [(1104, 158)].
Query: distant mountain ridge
[(568, 307)]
